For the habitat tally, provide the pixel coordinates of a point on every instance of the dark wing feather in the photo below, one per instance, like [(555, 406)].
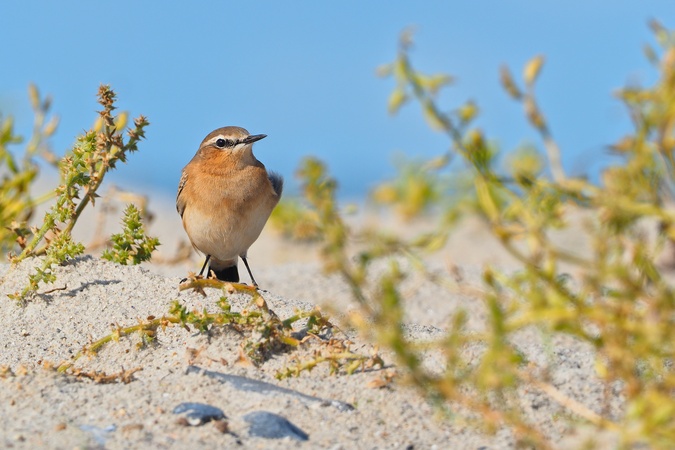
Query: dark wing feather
[(277, 182), (180, 203)]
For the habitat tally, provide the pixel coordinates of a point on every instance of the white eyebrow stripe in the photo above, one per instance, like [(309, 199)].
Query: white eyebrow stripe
[(214, 139)]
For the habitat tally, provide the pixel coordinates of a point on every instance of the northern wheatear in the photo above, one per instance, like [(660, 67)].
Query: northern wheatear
[(225, 196)]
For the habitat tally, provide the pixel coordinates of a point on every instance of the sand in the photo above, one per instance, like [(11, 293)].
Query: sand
[(45, 409)]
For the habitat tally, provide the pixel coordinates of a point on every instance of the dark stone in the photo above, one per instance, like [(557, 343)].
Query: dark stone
[(272, 426), (199, 413), (261, 387)]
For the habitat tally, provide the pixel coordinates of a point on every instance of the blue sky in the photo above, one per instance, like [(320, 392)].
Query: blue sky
[(304, 74)]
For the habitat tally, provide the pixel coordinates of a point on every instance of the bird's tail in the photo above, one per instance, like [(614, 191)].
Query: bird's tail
[(224, 270)]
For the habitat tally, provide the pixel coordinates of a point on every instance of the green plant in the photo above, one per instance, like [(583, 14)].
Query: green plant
[(82, 171), (131, 246), (621, 305)]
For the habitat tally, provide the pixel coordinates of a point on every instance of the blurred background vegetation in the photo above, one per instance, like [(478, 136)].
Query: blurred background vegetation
[(620, 300)]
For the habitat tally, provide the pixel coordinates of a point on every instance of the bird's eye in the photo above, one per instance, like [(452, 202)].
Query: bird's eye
[(220, 143)]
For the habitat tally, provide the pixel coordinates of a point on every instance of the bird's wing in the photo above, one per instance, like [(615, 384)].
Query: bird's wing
[(180, 202), (277, 182)]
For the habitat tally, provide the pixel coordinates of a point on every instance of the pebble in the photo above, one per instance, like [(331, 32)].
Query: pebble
[(199, 413), (273, 426)]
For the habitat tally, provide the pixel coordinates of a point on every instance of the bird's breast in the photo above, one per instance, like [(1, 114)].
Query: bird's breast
[(229, 211)]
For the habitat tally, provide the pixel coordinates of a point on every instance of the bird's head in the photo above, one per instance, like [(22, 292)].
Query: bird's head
[(232, 139)]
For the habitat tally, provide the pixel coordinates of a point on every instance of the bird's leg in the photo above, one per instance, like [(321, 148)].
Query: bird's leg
[(249, 272), (204, 266), (200, 272)]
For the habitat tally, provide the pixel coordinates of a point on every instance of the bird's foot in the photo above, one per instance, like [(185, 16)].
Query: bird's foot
[(191, 276)]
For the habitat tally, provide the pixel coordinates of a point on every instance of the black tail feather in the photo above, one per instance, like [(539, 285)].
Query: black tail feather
[(227, 274)]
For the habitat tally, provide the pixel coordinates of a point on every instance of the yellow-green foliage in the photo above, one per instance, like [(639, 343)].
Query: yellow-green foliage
[(621, 304), (294, 221), (417, 188), (17, 175)]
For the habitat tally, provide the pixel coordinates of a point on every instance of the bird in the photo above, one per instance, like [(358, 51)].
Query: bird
[(225, 196)]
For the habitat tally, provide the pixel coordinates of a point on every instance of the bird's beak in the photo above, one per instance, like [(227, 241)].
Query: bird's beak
[(255, 137)]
